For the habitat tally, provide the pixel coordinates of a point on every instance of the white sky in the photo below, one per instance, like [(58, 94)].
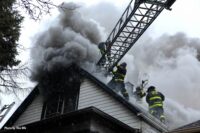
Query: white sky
[(184, 17)]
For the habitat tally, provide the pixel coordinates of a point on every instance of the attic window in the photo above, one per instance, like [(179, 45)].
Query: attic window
[(60, 89), (54, 106), (60, 104)]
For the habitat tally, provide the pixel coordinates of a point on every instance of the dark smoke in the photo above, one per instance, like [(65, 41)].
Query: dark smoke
[(60, 81), (72, 39)]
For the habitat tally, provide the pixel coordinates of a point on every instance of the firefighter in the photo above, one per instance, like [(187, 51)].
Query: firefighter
[(102, 47), (117, 82), (155, 101)]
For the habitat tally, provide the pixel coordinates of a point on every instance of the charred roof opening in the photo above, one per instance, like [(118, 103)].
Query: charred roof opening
[(60, 90)]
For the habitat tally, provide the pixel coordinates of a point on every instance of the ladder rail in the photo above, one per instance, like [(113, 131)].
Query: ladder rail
[(137, 17)]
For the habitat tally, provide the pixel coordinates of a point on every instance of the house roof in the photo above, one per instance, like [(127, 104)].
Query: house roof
[(191, 125), (136, 110), (28, 100), (77, 118), (189, 128)]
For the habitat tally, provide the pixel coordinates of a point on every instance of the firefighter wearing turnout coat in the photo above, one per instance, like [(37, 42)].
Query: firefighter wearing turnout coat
[(155, 101), (117, 82), (102, 47)]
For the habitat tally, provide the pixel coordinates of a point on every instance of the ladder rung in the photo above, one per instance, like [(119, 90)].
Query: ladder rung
[(122, 42), (126, 32), (139, 21), (143, 15), (134, 27), (126, 37), (121, 50), (131, 32), (149, 9)]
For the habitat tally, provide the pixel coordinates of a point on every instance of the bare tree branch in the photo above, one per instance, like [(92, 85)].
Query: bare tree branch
[(36, 8), (12, 80)]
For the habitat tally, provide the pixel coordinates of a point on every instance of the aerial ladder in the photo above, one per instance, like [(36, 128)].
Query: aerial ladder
[(136, 18)]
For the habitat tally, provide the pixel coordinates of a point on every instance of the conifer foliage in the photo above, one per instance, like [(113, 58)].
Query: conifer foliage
[(10, 21)]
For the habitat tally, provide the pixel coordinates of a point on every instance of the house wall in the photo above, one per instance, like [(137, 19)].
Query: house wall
[(92, 95), (32, 113)]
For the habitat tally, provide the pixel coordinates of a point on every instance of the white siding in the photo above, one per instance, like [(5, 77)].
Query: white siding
[(92, 95), (32, 113)]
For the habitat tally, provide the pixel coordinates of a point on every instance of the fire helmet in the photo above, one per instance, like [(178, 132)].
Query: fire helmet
[(138, 88), (151, 88), (123, 64)]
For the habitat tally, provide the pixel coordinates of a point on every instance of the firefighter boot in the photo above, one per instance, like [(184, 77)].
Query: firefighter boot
[(125, 94)]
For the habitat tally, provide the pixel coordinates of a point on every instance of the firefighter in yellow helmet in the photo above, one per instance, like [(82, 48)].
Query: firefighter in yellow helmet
[(155, 101), (117, 82)]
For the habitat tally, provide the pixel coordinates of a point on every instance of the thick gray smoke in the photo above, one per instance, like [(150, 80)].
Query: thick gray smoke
[(106, 14), (71, 39), (172, 63)]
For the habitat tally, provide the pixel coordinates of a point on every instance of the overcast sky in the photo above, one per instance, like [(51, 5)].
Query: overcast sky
[(184, 17)]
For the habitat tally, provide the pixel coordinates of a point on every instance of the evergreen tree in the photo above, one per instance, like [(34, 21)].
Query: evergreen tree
[(10, 21), (12, 72)]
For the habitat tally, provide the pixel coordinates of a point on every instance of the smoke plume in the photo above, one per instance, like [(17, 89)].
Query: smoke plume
[(71, 39), (105, 13), (172, 63)]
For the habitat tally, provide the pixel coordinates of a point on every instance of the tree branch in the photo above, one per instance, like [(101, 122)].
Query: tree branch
[(36, 8)]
